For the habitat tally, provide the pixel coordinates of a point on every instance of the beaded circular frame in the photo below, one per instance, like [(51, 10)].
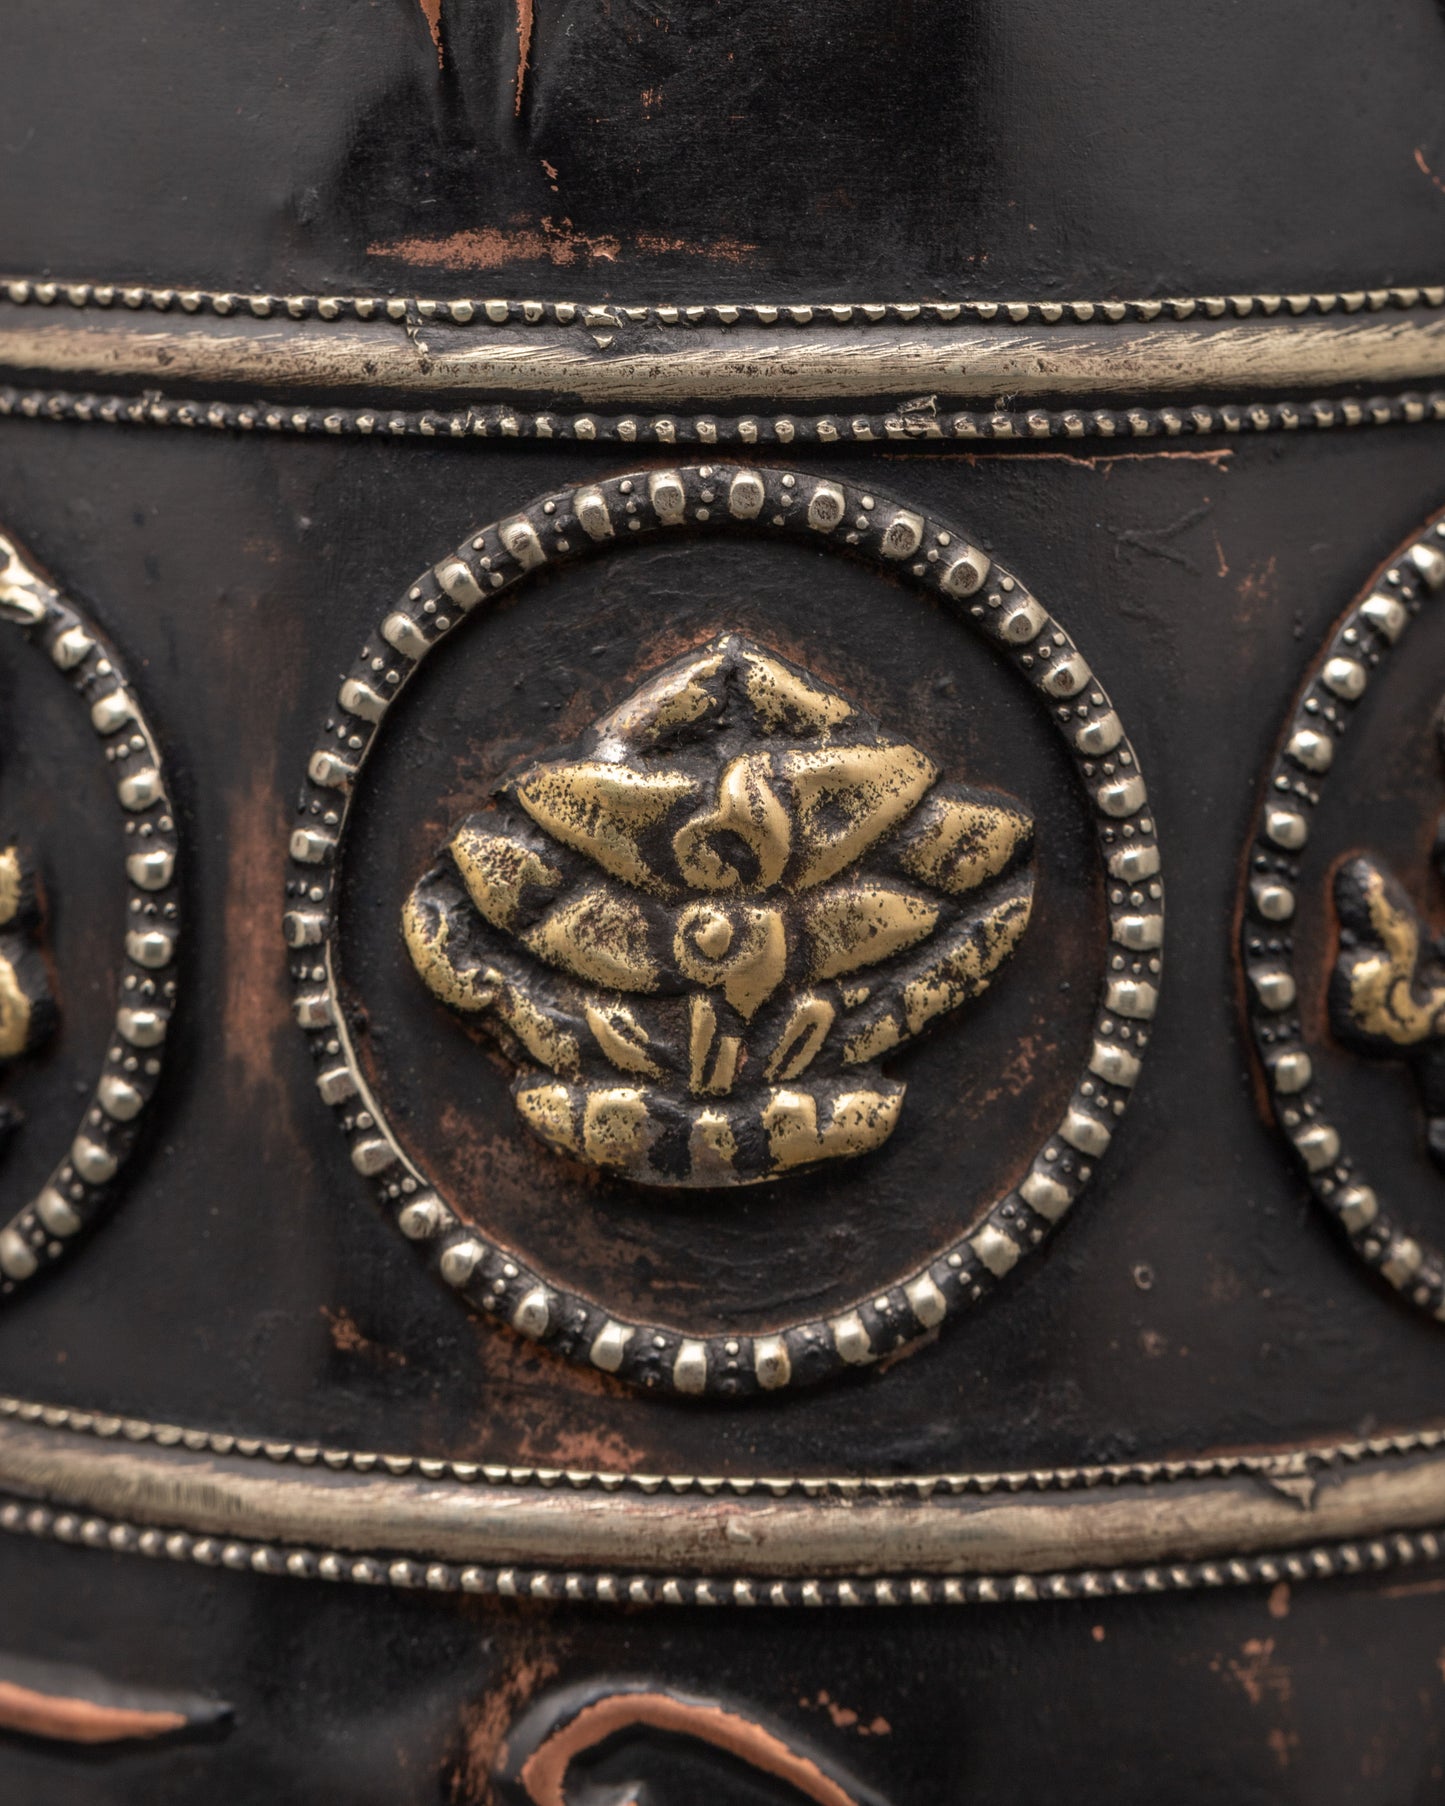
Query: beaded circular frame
[(1338, 679), (81, 1183), (929, 555)]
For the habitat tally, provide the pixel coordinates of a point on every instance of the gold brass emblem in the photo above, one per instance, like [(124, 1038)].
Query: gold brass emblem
[(27, 1000), (1387, 991), (27, 1007), (1387, 994), (699, 931)]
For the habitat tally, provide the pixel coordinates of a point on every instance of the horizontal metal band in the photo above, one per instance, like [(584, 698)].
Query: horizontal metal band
[(625, 366), (292, 1511), (913, 426), (39, 291)]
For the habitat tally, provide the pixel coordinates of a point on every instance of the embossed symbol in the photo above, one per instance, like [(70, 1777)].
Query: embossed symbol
[(27, 1002), (27, 1006), (1387, 992), (699, 930), (40, 1230)]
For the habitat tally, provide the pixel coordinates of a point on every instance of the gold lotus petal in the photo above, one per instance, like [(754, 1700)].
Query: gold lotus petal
[(858, 1122), (623, 1039), (715, 1080), (1386, 998), (12, 884), (803, 1035), (427, 932), (615, 1127), (871, 788), (957, 844), (964, 969), (855, 925), (602, 810), (958, 967), (874, 1041), (784, 700), (676, 698), (16, 1012), (498, 871), (712, 1148), (547, 1110), (749, 807), (600, 936), (756, 960), (542, 1035)]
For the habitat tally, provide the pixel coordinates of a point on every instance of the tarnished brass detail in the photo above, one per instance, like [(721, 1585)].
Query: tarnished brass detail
[(27, 1008), (1386, 991), (677, 900)]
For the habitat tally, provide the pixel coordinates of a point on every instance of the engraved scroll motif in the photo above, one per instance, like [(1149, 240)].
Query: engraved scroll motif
[(708, 923)]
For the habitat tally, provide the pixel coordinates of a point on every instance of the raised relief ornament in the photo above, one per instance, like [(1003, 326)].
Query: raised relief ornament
[(1387, 995), (1384, 976), (697, 934), (36, 1231), (698, 931)]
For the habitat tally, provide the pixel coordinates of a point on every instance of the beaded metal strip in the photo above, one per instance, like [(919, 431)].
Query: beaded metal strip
[(23, 291), (921, 427)]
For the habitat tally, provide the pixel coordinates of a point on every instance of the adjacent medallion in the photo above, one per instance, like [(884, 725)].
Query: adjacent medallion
[(32, 994), (1345, 979), (698, 930)]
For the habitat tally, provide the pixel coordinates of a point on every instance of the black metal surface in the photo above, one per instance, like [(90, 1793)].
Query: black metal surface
[(1194, 1299)]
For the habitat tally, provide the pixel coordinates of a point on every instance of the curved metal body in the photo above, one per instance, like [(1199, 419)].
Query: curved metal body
[(650, 650)]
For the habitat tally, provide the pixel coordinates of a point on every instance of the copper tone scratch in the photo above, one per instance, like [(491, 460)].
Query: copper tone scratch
[(432, 13), (254, 1008), (720, 250), (544, 1773), (65, 1720), (486, 1725), (489, 247), (558, 242), (524, 48), (1413, 1589), (844, 1717), (1425, 170), (347, 1337)]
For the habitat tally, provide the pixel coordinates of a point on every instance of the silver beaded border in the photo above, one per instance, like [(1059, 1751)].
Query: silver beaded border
[(930, 556), (1318, 1561), (1339, 677), (40, 1233), (23, 291), (1294, 1467), (924, 426)]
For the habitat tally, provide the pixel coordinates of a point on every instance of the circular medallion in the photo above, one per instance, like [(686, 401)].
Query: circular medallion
[(695, 932), (81, 1182), (1343, 977)]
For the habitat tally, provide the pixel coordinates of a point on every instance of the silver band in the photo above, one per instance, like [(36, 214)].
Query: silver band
[(711, 367), (1350, 1506)]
